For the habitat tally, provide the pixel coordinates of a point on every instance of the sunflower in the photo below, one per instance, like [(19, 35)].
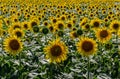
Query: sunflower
[(13, 45), (60, 25), (63, 17), (33, 23), (45, 30), (95, 23), (51, 28), (103, 35), (115, 26), (36, 29), (18, 32), (45, 23), (73, 34), (86, 27), (16, 25), (25, 25), (84, 21), (56, 51), (69, 25), (54, 20), (86, 46), (7, 21)]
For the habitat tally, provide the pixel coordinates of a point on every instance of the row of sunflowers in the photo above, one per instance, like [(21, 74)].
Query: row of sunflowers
[(53, 39)]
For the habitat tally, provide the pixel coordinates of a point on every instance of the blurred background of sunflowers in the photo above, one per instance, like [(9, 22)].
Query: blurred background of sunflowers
[(59, 39)]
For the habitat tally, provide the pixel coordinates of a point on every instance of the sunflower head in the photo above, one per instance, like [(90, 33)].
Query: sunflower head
[(13, 45), (86, 46), (95, 23), (60, 33), (45, 30), (56, 51), (60, 25), (25, 26), (74, 34), (35, 29), (108, 46), (103, 35), (18, 32), (86, 27), (115, 26)]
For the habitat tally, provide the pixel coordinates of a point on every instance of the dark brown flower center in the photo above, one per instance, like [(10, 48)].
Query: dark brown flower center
[(15, 20), (54, 20), (87, 46), (115, 26), (87, 26), (75, 35), (19, 34), (56, 50), (14, 44), (16, 26), (60, 26), (51, 28), (45, 23), (69, 25), (63, 18), (96, 24), (25, 26), (33, 24), (103, 33), (8, 22)]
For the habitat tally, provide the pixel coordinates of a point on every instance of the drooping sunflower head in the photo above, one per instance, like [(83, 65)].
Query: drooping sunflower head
[(13, 45), (56, 51), (115, 26), (103, 35), (35, 29), (87, 46), (45, 30)]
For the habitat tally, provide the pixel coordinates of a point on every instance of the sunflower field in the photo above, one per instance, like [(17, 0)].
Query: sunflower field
[(59, 39)]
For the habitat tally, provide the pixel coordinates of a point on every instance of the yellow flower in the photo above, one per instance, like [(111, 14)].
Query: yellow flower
[(73, 34), (115, 26), (14, 26), (56, 51), (25, 25), (60, 25), (84, 21), (18, 32), (103, 35), (95, 23), (13, 45), (87, 46)]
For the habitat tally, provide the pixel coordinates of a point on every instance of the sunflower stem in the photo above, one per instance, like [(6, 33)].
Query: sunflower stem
[(88, 68), (20, 58)]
